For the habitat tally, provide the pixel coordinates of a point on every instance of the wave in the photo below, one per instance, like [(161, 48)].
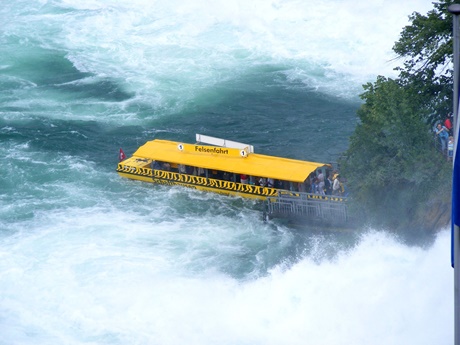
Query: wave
[(170, 53), (88, 257), (111, 279)]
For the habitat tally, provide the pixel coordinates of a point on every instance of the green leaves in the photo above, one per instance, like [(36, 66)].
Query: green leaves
[(391, 152), (425, 47), (392, 166)]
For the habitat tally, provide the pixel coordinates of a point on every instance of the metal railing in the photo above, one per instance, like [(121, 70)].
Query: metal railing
[(438, 147), (312, 207)]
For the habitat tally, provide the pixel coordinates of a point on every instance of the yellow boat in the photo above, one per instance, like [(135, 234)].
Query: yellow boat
[(231, 168)]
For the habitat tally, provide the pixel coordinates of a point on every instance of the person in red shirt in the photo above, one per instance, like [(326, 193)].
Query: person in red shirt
[(448, 123)]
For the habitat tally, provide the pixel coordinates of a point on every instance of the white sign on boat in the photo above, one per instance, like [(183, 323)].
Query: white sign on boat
[(200, 138)]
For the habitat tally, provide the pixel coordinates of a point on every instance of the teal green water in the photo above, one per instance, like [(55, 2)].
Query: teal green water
[(89, 258)]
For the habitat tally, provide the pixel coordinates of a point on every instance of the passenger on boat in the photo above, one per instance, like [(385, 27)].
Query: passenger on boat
[(336, 185), (321, 185), (156, 165), (244, 179), (320, 176), (314, 185), (201, 172), (328, 185), (216, 174), (181, 168), (270, 183)]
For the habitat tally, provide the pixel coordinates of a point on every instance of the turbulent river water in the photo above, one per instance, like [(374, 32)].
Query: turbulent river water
[(87, 257)]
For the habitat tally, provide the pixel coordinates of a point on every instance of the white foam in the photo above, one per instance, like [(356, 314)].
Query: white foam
[(189, 47), (112, 278), (128, 263)]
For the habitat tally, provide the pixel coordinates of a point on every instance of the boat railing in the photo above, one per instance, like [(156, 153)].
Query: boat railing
[(325, 209)]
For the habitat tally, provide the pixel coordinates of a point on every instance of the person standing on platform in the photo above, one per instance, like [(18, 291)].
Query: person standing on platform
[(448, 123), (443, 135)]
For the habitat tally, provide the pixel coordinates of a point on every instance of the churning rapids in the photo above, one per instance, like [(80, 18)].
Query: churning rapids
[(89, 258)]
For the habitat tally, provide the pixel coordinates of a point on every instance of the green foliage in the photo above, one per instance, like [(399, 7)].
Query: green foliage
[(391, 164), (426, 47), (393, 170)]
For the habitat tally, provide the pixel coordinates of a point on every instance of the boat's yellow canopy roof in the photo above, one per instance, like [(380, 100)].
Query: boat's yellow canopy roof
[(227, 159)]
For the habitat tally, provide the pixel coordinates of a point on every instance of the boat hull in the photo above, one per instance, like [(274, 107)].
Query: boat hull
[(197, 182)]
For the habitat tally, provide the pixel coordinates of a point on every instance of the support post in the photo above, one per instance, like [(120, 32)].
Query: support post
[(455, 10)]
